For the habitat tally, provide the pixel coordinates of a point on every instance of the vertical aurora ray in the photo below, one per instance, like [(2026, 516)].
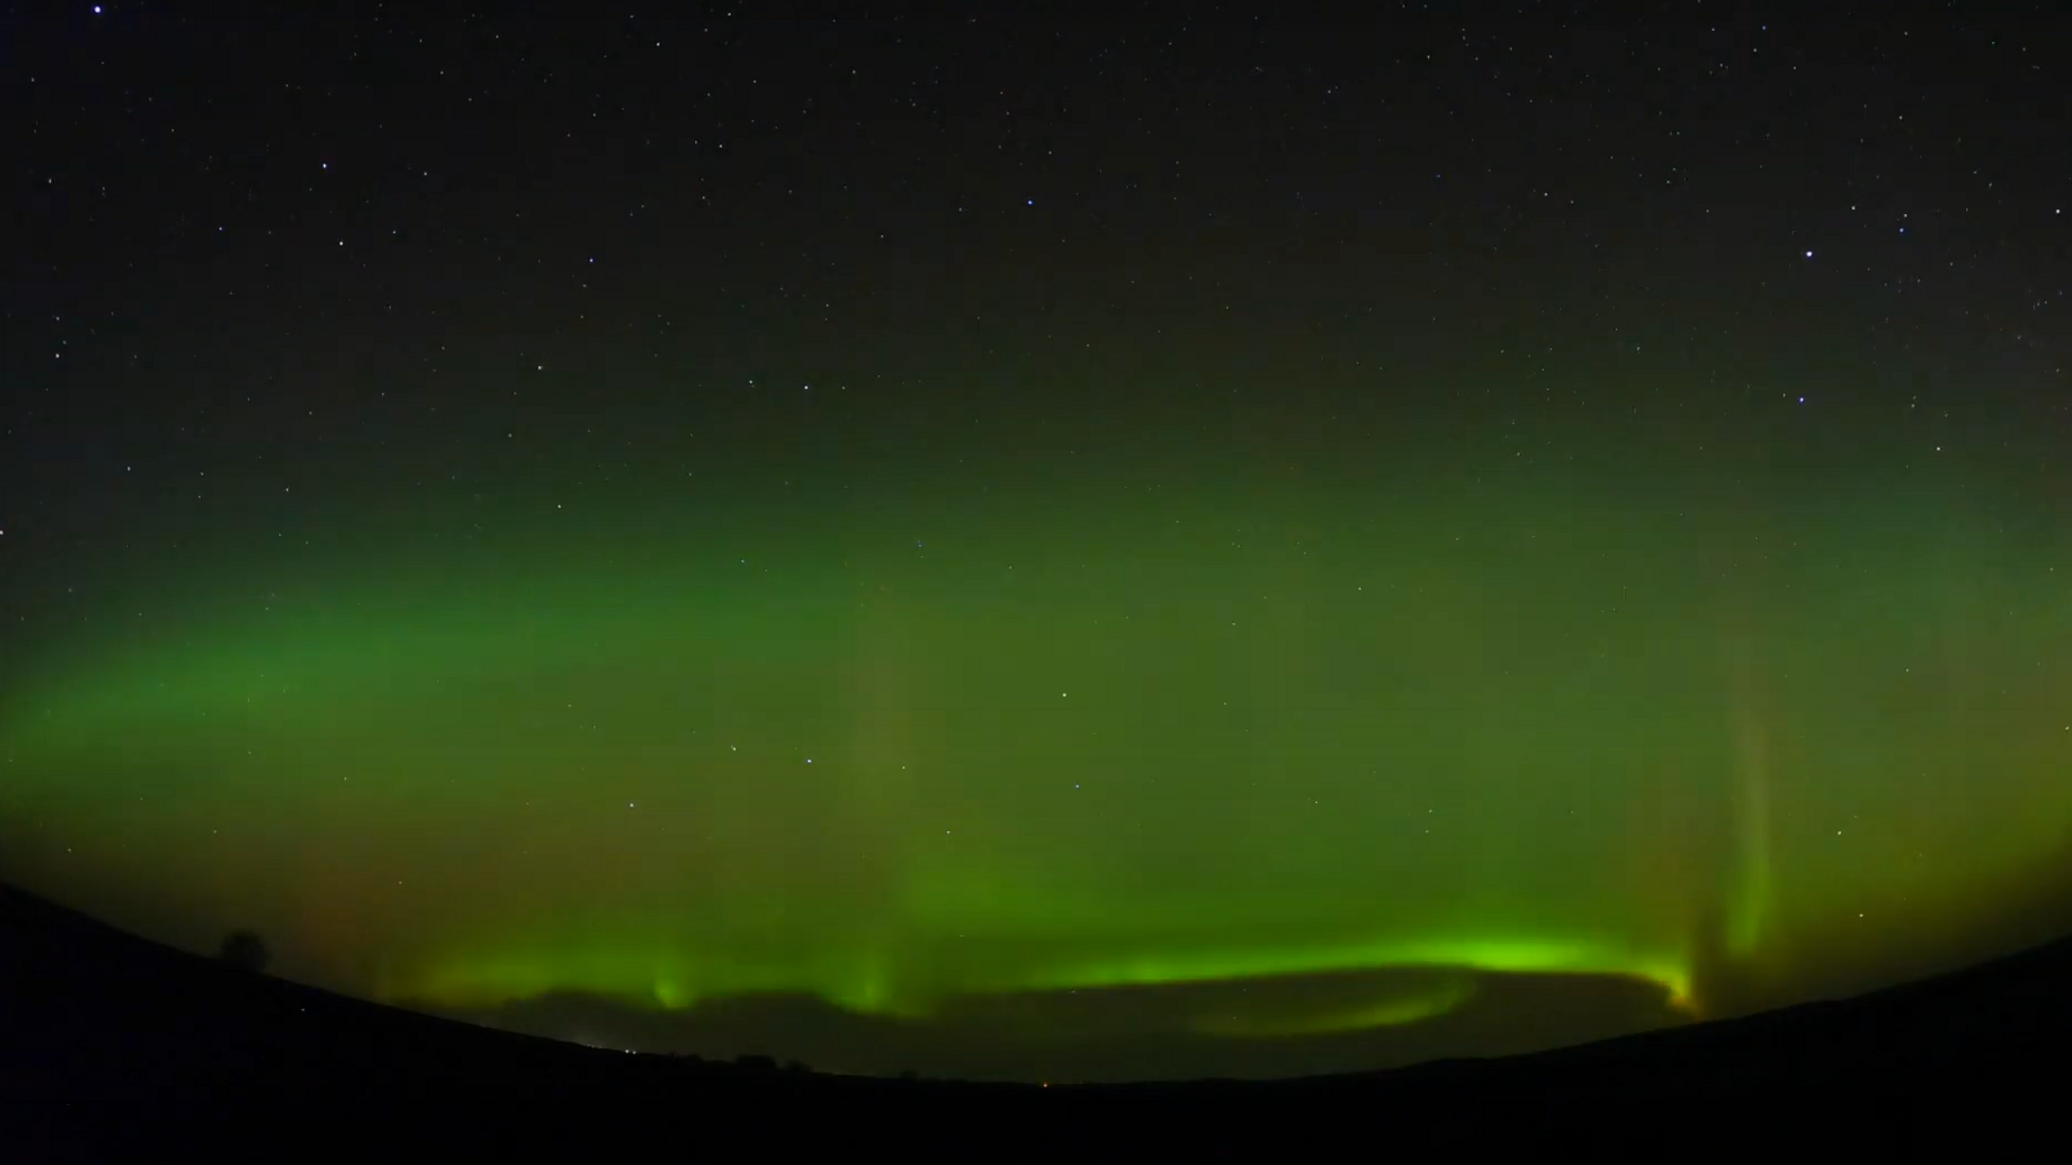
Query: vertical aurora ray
[(1749, 900)]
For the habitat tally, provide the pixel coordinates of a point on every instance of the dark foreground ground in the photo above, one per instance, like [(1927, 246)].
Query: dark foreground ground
[(113, 1048)]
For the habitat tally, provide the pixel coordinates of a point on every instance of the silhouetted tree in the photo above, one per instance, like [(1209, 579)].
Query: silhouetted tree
[(755, 1063), (244, 950)]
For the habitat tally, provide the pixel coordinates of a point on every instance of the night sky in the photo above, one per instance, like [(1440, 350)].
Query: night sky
[(1165, 544)]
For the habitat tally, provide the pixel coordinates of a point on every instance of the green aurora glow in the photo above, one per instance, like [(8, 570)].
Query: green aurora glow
[(899, 754)]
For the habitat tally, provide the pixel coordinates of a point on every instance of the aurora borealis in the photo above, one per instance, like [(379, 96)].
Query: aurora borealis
[(1119, 644), (1104, 745)]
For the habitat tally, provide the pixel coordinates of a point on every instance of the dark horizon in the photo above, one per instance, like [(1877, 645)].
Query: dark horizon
[(123, 1046)]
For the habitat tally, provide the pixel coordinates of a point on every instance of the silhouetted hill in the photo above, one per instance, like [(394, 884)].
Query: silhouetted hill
[(112, 1047)]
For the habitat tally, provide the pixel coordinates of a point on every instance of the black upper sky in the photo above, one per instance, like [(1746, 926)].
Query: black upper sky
[(238, 237)]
